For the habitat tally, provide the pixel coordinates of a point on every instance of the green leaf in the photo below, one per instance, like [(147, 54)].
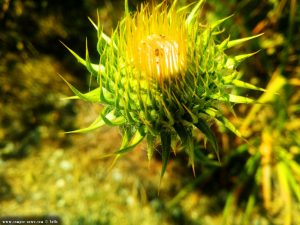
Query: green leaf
[(226, 123), (232, 98), (100, 68), (291, 179), (150, 145), (80, 60), (212, 112), (186, 138), (192, 15), (193, 116), (173, 5), (229, 78), (167, 112), (285, 192), (249, 209), (183, 8), (209, 134), (240, 58), (75, 91), (221, 119), (135, 140), (95, 125), (105, 96), (165, 138), (99, 122), (90, 97), (242, 84), (127, 135), (223, 45), (126, 8), (102, 34), (88, 63), (93, 95), (241, 40), (217, 23), (117, 121), (240, 99), (229, 209), (92, 22)]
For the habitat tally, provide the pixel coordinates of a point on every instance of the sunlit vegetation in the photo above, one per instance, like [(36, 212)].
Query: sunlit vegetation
[(44, 171)]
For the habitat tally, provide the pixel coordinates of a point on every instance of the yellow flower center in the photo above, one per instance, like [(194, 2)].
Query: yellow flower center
[(156, 43), (158, 56)]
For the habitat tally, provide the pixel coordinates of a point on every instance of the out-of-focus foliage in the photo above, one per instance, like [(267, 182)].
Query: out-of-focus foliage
[(28, 110), (269, 182), (258, 182)]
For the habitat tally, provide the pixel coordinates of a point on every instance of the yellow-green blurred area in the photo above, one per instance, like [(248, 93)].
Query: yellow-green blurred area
[(44, 171)]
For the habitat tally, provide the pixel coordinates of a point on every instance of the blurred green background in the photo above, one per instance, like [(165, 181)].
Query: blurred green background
[(43, 171)]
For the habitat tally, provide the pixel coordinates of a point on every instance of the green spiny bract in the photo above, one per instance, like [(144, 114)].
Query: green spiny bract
[(161, 76)]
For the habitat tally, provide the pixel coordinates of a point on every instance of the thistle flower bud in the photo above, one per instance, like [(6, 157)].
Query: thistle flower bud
[(161, 76)]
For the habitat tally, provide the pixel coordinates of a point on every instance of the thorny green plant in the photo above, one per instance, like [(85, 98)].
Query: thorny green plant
[(162, 76)]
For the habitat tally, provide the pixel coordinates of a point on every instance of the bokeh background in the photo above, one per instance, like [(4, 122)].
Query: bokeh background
[(44, 171)]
